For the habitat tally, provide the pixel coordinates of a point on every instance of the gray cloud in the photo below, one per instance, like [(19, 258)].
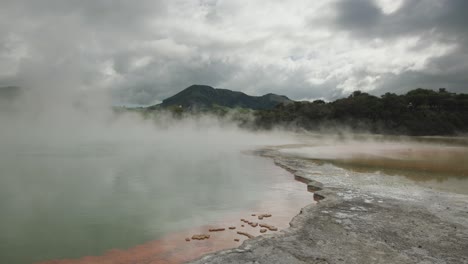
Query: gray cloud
[(432, 23), (165, 77), (432, 19), (143, 51), (360, 15)]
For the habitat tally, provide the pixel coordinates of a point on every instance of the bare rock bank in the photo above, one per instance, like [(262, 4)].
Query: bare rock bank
[(361, 222)]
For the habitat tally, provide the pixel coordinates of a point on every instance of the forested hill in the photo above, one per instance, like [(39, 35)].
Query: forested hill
[(204, 97), (418, 112)]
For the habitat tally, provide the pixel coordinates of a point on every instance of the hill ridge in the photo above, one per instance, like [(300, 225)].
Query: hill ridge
[(203, 96)]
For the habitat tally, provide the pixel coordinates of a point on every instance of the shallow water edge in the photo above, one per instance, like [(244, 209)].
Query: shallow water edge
[(360, 222)]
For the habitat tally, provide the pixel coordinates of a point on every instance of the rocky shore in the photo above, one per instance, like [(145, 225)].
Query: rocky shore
[(360, 221)]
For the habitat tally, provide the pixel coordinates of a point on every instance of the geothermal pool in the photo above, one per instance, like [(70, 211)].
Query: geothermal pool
[(133, 201), (130, 200)]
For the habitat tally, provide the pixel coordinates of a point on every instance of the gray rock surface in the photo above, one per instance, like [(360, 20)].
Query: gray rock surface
[(359, 223)]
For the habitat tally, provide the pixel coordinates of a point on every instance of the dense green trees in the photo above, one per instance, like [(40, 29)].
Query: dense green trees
[(418, 112)]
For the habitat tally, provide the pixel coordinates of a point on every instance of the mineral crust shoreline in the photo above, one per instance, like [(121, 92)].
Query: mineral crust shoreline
[(360, 222)]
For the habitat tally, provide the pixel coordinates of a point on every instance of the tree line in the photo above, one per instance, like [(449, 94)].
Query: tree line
[(418, 112)]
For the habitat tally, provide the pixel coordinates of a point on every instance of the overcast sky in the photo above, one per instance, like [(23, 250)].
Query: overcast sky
[(143, 51)]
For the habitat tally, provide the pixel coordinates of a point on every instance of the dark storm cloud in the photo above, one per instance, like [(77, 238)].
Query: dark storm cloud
[(443, 18), (358, 15)]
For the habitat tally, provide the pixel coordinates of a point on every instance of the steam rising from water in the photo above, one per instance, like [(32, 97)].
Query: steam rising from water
[(65, 117), (78, 178)]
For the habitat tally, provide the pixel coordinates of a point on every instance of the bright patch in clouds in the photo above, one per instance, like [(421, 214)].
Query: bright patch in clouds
[(389, 6)]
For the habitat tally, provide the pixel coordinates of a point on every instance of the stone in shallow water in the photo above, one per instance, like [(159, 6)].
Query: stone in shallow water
[(260, 217), (269, 227), (245, 234), (216, 229), (253, 224), (200, 237)]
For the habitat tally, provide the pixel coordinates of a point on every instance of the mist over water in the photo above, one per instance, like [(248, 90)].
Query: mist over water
[(76, 200), (79, 180)]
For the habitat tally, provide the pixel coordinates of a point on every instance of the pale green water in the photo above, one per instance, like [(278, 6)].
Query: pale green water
[(72, 200)]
